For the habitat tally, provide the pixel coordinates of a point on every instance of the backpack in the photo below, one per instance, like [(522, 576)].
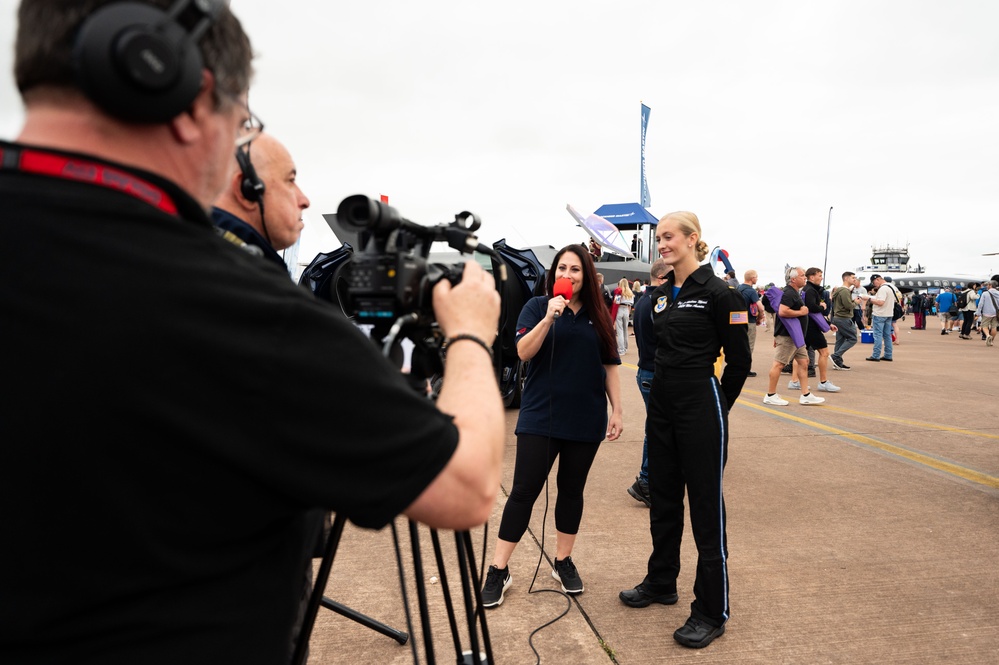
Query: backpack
[(962, 300), (897, 311), (608, 298), (754, 307)]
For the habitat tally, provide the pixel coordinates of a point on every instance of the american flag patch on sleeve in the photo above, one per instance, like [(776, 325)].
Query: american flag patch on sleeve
[(738, 317)]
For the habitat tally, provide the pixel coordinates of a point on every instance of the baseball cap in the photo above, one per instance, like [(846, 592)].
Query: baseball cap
[(871, 285)]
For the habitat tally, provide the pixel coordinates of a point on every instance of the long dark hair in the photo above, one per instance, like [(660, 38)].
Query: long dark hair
[(590, 295)]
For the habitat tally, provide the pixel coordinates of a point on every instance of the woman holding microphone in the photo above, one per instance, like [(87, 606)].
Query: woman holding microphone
[(573, 373)]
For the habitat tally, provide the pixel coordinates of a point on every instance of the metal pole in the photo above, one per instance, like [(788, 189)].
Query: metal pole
[(826, 259)]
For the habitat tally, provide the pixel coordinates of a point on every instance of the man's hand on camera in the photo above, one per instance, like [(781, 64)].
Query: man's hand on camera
[(471, 307)]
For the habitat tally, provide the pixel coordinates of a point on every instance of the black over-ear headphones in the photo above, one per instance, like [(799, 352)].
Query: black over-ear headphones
[(142, 64), (251, 186)]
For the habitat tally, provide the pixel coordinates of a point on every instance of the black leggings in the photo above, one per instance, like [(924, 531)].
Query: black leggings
[(535, 457)]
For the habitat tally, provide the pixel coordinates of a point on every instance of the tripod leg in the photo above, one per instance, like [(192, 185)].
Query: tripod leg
[(301, 648), (421, 593), (446, 590), (364, 620)]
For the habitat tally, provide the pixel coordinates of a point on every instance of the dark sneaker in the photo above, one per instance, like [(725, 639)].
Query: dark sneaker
[(786, 369), (696, 634), (873, 359), (838, 364), (811, 372), (496, 584), (887, 360), (565, 572), (639, 491), (640, 596)]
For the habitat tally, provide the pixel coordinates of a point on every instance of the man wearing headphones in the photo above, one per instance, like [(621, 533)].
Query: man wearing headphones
[(269, 178), (146, 519)]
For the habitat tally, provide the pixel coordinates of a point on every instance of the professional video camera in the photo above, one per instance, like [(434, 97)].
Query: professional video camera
[(386, 286)]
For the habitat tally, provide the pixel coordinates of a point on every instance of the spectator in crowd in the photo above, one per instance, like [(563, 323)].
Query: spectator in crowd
[(946, 310), (645, 340), (786, 349), (624, 298), (815, 339), (917, 304), (969, 310), (756, 313), (861, 297), (895, 338), (842, 318), (988, 307), (883, 306)]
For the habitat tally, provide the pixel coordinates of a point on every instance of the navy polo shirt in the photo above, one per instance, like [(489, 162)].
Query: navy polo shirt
[(566, 379), (228, 222)]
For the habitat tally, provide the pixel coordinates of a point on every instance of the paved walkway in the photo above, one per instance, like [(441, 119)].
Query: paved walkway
[(865, 530)]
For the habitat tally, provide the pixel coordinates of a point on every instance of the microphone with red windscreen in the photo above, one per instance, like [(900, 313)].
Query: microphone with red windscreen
[(562, 287)]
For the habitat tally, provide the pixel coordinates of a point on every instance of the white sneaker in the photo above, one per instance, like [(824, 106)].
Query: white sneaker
[(794, 385), (827, 387), (775, 400), (810, 399)]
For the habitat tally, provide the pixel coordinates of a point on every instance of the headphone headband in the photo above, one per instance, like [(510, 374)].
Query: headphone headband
[(138, 62)]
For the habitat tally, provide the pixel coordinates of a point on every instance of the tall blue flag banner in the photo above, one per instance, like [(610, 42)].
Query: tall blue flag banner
[(646, 199)]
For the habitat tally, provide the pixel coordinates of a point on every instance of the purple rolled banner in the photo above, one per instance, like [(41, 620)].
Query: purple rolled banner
[(820, 321), (792, 324)]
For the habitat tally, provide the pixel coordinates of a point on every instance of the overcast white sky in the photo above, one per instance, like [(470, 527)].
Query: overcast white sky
[(764, 114)]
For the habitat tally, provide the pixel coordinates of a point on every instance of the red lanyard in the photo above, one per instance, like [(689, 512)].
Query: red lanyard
[(41, 162)]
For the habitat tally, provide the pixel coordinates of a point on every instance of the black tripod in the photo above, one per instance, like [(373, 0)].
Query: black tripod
[(470, 593), (317, 599)]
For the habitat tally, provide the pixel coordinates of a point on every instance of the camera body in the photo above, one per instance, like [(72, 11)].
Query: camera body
[(386, 285)]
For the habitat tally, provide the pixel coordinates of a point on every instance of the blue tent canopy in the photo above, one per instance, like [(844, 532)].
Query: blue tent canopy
[(626, 216)]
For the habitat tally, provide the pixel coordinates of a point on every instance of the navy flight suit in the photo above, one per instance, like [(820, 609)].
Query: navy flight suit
[(688, 431)]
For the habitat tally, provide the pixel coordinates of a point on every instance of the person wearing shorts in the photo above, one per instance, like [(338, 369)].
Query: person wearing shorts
[(791, 306)]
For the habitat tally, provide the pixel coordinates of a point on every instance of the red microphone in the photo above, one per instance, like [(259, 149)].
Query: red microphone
[(562, 287)]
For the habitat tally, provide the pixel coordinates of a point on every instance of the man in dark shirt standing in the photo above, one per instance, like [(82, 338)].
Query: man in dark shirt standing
[(756, 314), (815, 301), (645, 339)]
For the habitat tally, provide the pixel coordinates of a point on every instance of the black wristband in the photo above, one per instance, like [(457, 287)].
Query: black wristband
[(470, 338)]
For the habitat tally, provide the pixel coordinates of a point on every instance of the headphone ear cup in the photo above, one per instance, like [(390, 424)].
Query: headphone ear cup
[(251, 186), (137, 63)]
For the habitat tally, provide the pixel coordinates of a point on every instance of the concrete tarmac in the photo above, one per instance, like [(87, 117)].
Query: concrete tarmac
[(863, 530)]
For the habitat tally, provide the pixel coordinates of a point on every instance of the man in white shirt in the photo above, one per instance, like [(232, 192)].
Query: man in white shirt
[(860, 295), (884, 307), (987, 308)]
